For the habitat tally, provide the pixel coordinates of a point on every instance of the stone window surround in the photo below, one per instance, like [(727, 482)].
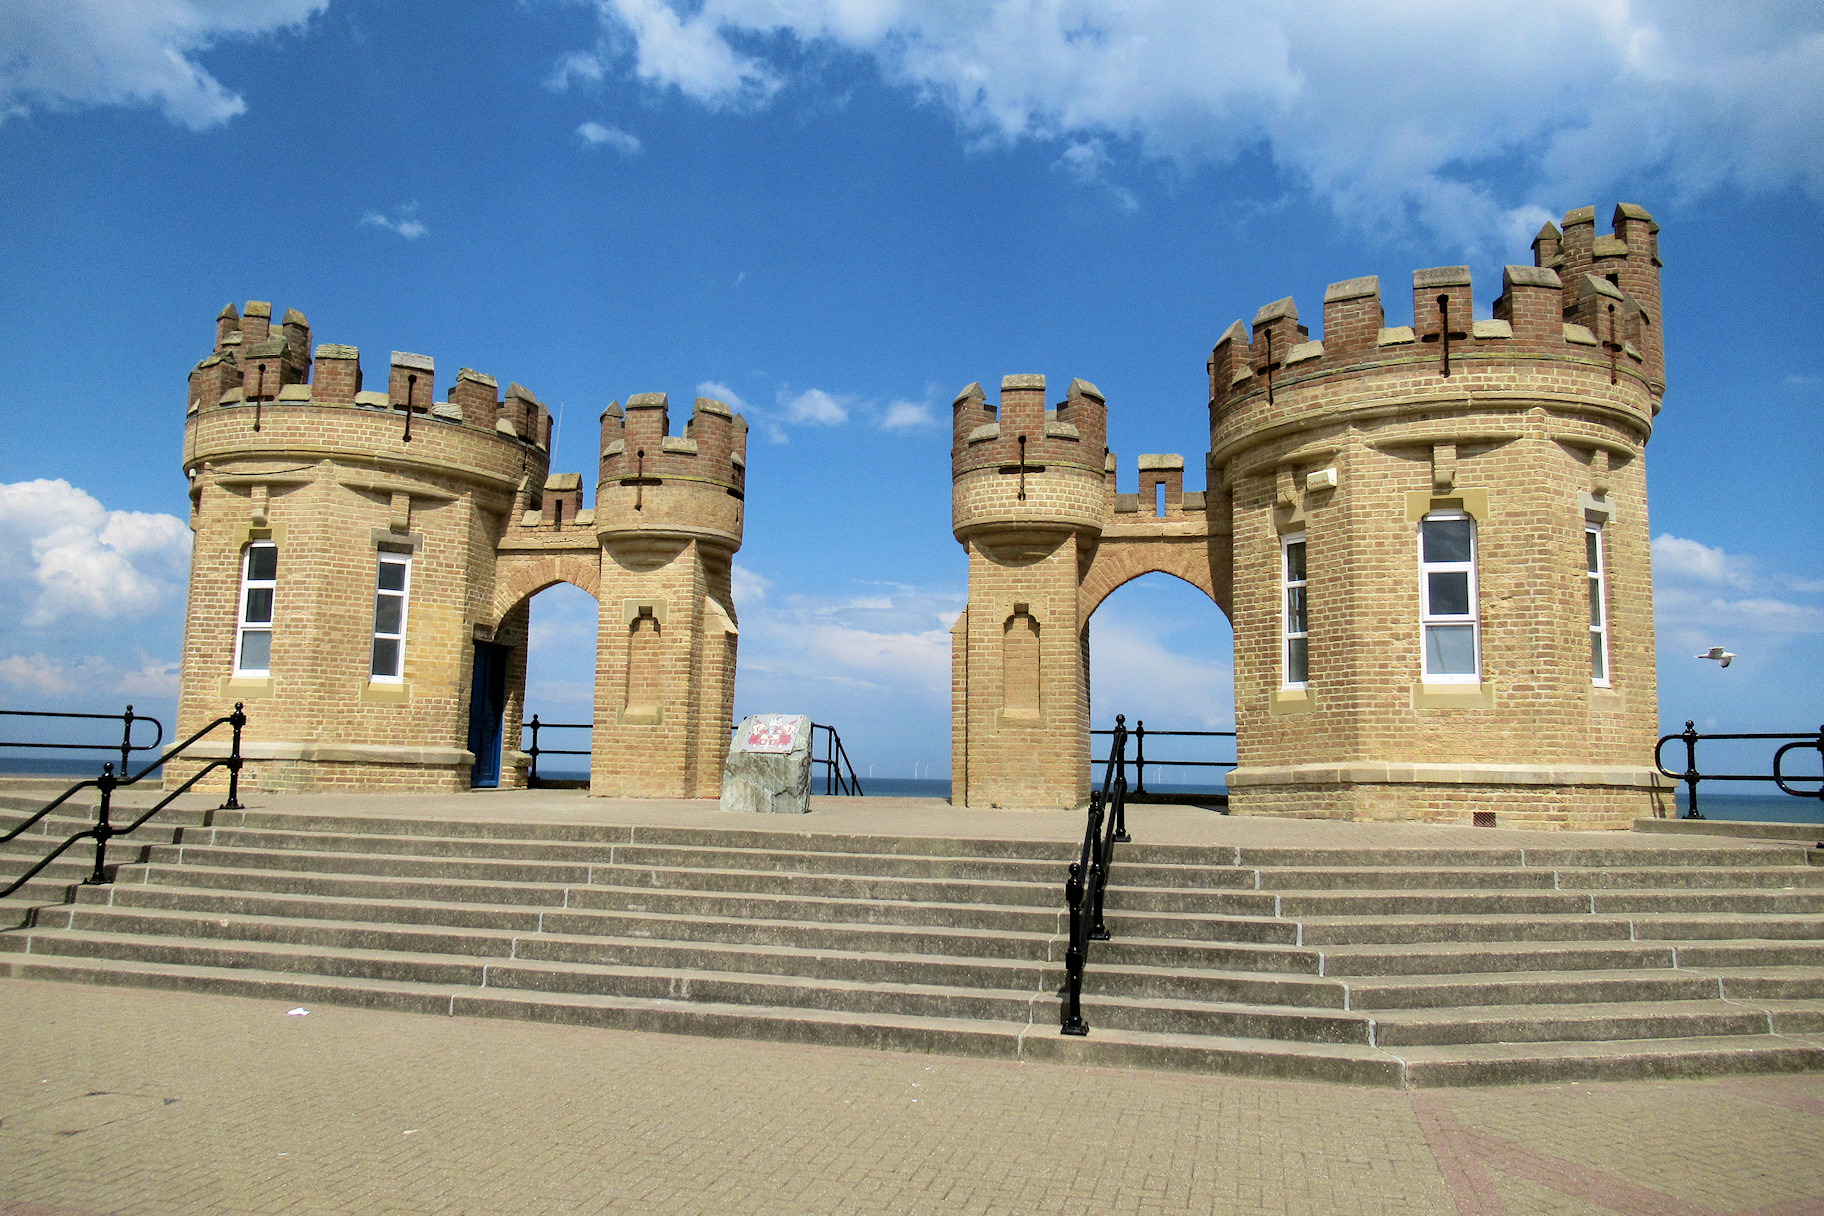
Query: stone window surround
[(1596, 546), (383, 557), (248, 585), (1287, 634), (1428, 619)]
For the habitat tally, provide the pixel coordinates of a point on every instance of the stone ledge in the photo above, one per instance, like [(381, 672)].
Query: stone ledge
[(1382, 772), (330, 753)]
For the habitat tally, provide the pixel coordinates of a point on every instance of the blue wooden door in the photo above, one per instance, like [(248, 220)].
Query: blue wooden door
[(487, 703)]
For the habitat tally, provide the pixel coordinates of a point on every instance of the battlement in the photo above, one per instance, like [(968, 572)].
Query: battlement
[(1074, 433), (254, 363), (1161, 495), (637, 444), (1586, 300)]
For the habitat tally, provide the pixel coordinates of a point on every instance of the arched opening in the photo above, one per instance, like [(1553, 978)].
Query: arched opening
[(540, 663), (1164, 655), (560, 684)]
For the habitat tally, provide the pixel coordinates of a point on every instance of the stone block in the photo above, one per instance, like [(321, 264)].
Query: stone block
[(768, 770)]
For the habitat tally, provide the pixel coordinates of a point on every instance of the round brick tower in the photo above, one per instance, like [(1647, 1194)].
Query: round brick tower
[(1442, 577), (669, 516), (1030, 496), (344, 550)]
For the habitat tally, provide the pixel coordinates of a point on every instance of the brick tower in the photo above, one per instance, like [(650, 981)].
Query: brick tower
[(344, 553), (669, 518), (364, 563), (1443, 595), (1431, 540)]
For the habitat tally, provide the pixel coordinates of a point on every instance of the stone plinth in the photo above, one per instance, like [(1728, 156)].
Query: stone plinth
[(769, 766)]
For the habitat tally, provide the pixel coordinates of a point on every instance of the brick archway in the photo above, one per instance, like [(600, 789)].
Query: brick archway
[(1119, 561), (518, 578)]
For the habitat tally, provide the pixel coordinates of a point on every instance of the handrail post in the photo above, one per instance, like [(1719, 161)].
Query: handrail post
[(1140, 756), (104, 828), (237, 720), (1098, 870), (1691, 775), (126, 743), (532, 773), (1073, 1022)]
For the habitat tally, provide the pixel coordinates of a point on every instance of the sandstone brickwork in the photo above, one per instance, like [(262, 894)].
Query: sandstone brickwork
[(1531, 425), (451, 499)]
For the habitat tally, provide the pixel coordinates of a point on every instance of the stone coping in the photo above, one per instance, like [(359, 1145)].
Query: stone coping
[(1384, 772)]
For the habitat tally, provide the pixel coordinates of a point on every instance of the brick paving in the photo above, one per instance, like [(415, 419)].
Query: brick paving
[(117, 1101)]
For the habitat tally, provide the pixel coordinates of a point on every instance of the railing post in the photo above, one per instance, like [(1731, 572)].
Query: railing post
[(126, 744), (104, 828), (237, 720), (1073, 955), (1691, 774), (1140, 756), (532, 773)]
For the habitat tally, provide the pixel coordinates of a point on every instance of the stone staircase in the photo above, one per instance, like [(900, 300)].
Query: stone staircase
[(1385, 966)]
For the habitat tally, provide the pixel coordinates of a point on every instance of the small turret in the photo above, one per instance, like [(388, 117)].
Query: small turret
[(228, 321)]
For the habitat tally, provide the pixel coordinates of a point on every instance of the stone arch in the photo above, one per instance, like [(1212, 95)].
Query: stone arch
[(518, 579), (1121, 562)]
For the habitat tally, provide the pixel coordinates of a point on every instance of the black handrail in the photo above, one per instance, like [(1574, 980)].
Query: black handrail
[(1139, 734), (1083, 890), (104, 829), (533, 781), (835, 756), (126, 747), (1691, 737)]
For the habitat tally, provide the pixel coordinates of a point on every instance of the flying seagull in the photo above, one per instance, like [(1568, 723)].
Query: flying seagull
[(1719, 654)]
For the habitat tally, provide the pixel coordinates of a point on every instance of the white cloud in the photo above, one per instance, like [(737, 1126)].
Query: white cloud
[(1465, 118), (905, 415), (88, 677), (405, 221), (64, 557), (749, 587), (815, 405), (894, 639), (1676, 558), (67, 54), (597, 136)]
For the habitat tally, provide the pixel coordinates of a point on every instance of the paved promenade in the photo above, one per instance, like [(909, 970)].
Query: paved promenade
[(123, 1102)]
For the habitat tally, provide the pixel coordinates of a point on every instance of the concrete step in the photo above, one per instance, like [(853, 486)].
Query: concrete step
[(1537, 988), (1568, 1023), (1624, 1060)]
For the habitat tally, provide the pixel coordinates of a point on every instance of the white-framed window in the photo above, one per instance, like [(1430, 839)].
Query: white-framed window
[(1596, 563), (1448, 594), (1295, 613), (392, 587), (253, 614)]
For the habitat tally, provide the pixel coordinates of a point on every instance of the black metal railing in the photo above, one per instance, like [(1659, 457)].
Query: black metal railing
[(533, 780), (1691, 737), (835, 760), (104, 829), (838, 773), (1140, 734), (126, 747), (1083, 890)]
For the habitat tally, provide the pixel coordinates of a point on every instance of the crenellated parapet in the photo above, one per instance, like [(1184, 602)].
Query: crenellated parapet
[(1581, 325), (265, 392), (653, 482), (1024, 465)]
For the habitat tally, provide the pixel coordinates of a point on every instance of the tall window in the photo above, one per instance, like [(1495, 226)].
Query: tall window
[(390, 591), (1447, 573), (1297, 656), (253, 622), (1596, 562)]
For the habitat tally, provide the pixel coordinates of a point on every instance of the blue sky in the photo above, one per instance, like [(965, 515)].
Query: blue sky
[(835, 213)]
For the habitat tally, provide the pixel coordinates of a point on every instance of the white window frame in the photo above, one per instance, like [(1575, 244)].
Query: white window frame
[(1428, 619), (1598, 578), (242, 626), (1286, 633), (384, 558)]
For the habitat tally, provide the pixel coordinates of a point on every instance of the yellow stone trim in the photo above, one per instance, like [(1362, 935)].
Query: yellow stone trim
[(246, 688), (1453, 696), (386, 692), (1473, 503), (1290, 701), (246, 534), (631, 609)]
